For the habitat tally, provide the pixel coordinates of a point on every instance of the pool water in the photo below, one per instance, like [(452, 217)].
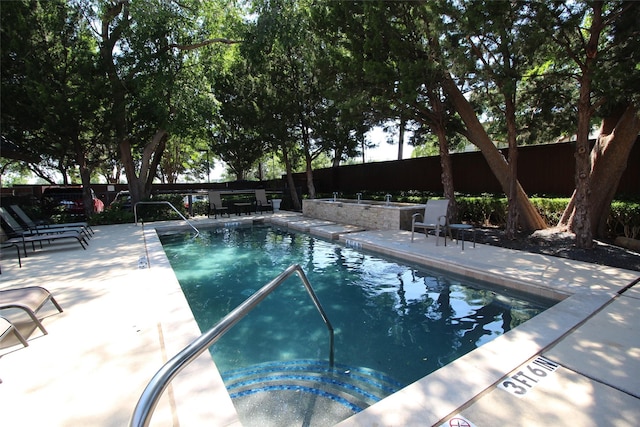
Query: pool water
[(394, 322)]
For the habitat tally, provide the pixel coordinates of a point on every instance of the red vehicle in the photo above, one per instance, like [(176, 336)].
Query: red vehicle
[(67, 200)]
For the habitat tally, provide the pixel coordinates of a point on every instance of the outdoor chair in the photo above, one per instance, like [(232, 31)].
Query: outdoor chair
[(7, 245), (19, 230), (42, 225), (17, 234), (30, 299), (215, 205), (23, 239), (8, 329), (434, 218), (262, 204)]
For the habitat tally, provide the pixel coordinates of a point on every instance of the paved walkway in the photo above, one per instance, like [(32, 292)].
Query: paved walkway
[(122, 320)]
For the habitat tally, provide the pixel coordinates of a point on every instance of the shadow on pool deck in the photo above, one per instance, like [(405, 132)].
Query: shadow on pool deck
[(121, 322)]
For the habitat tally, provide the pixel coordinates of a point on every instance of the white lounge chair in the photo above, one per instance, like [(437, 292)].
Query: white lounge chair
[(7, 329), (29, 299), (434, 218)]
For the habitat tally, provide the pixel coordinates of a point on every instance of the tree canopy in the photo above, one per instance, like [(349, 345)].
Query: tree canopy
[(148, 87)]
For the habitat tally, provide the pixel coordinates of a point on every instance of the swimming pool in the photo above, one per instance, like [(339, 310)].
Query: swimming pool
[(395, 322)]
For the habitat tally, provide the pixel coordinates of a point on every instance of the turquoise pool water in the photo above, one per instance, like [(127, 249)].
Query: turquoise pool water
[(394, 322)]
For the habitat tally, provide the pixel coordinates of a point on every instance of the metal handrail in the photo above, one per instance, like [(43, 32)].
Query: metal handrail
[(151, 395), (163, 202)]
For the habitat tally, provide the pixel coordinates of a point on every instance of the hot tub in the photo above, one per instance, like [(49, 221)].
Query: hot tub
[(371, 214)]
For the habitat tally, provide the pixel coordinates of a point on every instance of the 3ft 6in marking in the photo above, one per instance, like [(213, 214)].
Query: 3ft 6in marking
[(528, 376)]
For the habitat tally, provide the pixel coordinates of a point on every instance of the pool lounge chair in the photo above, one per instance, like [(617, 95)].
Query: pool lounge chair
[(18, 238), (30, 299), (7, 245), (41, 225), (19, 230), (262, 204), (215, 205), (8, 329), (17, 234), (434, 218)]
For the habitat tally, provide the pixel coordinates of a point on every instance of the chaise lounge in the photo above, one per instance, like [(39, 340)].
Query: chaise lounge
[(9, 329), (40, 225), (30, 299), (17, 234), (15, 226)]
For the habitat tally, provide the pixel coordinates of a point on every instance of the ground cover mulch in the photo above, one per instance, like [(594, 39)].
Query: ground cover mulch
[(561, 244)]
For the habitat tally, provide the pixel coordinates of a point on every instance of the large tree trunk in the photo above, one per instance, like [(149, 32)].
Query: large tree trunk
[(401, 136), (512, 196), (618, 133), (85, 178), (445, 159), (308, 158), (530, 218), (310, 185), (580, 219), (140, 185), (292, 185), (608, 163)]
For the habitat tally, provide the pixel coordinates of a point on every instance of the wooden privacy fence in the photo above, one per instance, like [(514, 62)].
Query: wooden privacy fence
[(542, 169)]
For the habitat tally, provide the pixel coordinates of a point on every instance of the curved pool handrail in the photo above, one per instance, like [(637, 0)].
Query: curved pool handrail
[(153, 391), (163, 202)]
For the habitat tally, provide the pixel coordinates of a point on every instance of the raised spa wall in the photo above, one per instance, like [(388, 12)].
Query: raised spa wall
[(372, 215)]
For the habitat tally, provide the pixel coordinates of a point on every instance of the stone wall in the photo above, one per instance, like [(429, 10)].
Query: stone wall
[(369, 214)]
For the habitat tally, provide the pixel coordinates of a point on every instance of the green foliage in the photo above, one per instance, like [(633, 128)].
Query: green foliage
[(112, 216), (200, 208), (624, 219), (484, 210), (550, 209), (162, 212), (425, 150)]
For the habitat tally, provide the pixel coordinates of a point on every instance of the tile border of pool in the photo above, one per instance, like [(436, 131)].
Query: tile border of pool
[(430, 400)]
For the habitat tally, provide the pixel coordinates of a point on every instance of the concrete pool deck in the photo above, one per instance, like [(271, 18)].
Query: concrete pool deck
[(121, 321)]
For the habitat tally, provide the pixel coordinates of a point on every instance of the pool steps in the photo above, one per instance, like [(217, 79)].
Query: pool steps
[(353, 388)]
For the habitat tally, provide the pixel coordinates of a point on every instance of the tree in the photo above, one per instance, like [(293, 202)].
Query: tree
[(148, 50), (595, 43), (394, 68), (497, 45), (235, 134), (58, 112), (318, 106), (403, 58)]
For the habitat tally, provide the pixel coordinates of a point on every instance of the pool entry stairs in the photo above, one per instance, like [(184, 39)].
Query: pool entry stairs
[(304, 392), (158, 384)]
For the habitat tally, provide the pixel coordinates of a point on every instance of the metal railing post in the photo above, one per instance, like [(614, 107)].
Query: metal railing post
[(163, 202)]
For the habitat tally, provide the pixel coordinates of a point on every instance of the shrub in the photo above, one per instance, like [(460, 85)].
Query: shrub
[(112, 215), (624, 219), (551, 209), (482, 210)]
